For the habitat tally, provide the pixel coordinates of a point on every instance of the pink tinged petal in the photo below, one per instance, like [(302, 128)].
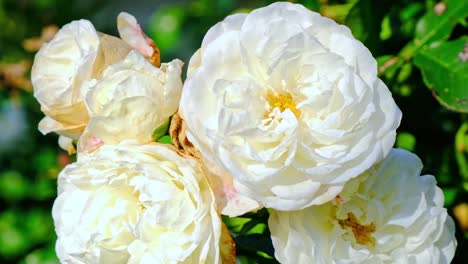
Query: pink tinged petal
[(130, 31), (236, 203), (96, 142), (228, 199), (89, 143)]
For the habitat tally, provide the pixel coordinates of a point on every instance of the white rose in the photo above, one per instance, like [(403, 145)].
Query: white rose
[(136, 204), (395, 216), (289, 104), (61, 68), (130, 100)]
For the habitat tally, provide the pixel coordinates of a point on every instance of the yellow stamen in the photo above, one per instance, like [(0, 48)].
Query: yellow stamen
[(362, 233), (282, 101)]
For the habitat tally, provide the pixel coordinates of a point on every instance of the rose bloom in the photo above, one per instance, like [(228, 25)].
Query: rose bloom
[(130, 100), (137, 204), (393, 216), (76, 54), (119, 73), (289, 104)]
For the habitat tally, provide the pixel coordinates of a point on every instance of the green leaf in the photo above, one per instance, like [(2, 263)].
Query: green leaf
[(409, 11), (235, 224), (435, 27), (405, 72), (386, 31), (460, 148), (259, 229), (409, 16), (247, 227), (165, 139), (161, 130), (445, 73), (264, 255)]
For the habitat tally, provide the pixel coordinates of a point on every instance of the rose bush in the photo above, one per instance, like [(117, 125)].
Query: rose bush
[(390, 215), (289, 104), (137, 204)]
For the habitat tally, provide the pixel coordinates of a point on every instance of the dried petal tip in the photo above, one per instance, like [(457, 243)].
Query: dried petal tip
[(130, 31), (179, 138), (227, 246)]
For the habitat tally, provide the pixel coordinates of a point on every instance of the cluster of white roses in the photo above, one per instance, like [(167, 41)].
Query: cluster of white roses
[(281, 108), (126, 199)]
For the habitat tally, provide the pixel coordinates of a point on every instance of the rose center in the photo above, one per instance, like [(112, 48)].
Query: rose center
[(283, 101), (362, 233)]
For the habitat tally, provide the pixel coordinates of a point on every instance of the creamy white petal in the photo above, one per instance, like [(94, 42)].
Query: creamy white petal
[(66, 144), (130, 100), (390, 214), (283, 98), (136, 204), (63, 70), (60, 68), (131, 32)]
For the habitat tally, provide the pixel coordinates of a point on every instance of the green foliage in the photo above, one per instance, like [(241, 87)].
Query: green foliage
[(437, 25), (165, 139), (160, 130), (445, 73), (252, 237), (44, 255), (13, 186), (166, 26), (365, 19)]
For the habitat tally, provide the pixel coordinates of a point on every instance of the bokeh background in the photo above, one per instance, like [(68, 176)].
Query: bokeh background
[(421, 47)]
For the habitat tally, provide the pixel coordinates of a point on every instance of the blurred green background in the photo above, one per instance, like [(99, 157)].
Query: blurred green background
[(421, 47)]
